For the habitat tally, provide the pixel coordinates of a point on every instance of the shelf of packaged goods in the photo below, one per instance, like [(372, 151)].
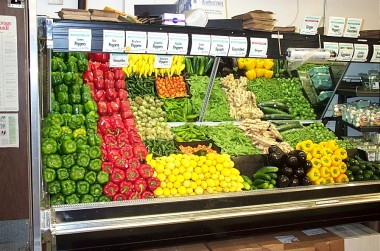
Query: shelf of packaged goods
[(363, 128), (358, 92), (131, 223)]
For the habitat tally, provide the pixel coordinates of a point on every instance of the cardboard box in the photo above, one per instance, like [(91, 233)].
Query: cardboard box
[(321, 239), (172, 19), (352, 241), (239, 244), (215, 9), (190, 247), (370, 239)]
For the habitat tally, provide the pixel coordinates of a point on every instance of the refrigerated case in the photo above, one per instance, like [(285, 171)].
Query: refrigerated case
[(151, 222)]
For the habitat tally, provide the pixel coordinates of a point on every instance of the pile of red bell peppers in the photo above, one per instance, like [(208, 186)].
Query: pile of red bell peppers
[(123, 150)]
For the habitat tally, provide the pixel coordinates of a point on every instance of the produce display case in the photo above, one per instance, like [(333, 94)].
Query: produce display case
[(147, 222)]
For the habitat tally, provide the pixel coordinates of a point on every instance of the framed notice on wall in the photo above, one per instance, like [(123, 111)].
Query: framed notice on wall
[(9, 131)]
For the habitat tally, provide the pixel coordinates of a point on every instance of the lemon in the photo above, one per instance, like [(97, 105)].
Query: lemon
[(212, 169), (198, 169), (193, 185), (170, 159), (202, 158), (235, 171), (227, 178), (169, 165), (208, 162), (210, 183), (190, 169), (223, 183), (173, 191), (205, 168), (185, 163), (182, 190), (187, 183), (233, 189), (199, 189), (167, 172), (163, 184), (226, 172), (240, 179), (175, 171), (215, 176), (161, 176), (189, 190), (219, 189), (201, 176), (176, 184), (152, 162), (219, 167), (226, 189), (207, 175), (233, 177), (159, 168), (210, 189), (194, 176), (166, 191), (181, 169), (187, 175), (193, 163), (172, 178), (221, 177), (180, 178), (203, 184), (198, 182), (177, 163), (159, 191)]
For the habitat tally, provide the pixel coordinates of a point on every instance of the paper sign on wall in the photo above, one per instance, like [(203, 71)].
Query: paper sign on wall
[(9, 64), (352, 27), (80, 40), (219, 46), (376, 54), (9, 131), (346, 51), (336, 26), (135, 41), (238, 47), (259, 47), (200, 45), (157, 43), (113, 41), (360, 52), (310, 25), (178, 43)]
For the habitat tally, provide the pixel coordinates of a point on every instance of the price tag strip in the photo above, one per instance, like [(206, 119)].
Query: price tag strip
[(200, 45), (80, 39), (178, 44), (135, 41), (113, 41)]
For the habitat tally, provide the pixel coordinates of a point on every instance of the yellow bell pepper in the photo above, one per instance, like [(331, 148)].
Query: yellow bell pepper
[(327, 151), (341, 152), (342, 167), (326, 161), (342, 178), (250, 63), (307, 145), (334, 171), (336, 160), (250, 74), (299, 146), (317, 152), (329, 181), (324, 171), (320, 181), (268, 74), (322, 144), (241, 63), (313, 174), (268, 64), (332, 145), (259, 72), (309, 156), (260, 63), (316, 162)]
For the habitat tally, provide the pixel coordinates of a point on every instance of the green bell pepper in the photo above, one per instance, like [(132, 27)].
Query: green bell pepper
[(53, 161), (83, 160), (90, 106), (68, 78), (96, 190), (102, 177), (68, 160), (78, 109), (66, 108), (60, 55), (57, 199), (83, 187), (49, 146), (45, 131), (75, 89), (79, 132), (81, 55), (85, 88), (80, 140), (49, 174), (75, 98), (66, 130), (94, 139), (72, 199), (95, 165), (77, 120), (104, 198), (68, 187), (71, 57), (95, 152), (68, 147), (77, 173), (78, 80), (56, 78), (55, 119), (90, 177), (86, 97), (91, 120), (83, 149), (87, 198), (55, 131), (61, 66), (54, 187), (54, 64), (62, 97), (72, 66), (61, 88), (63, 174), (55, 106), (82, 65), (64, 137), (66, 118)]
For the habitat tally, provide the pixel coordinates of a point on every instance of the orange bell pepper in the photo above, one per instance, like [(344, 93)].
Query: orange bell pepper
[(342, 178), (343, 167), (329, 180)]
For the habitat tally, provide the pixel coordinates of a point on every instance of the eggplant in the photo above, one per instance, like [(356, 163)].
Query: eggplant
[(301, 155), (307, 165), (292, 160), (275, 159), (299, 171), (282, 181), (274, 149), (294, 181), (287, 170), (306, 181)]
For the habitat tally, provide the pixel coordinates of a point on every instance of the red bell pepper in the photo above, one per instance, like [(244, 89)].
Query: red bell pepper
[(127, 151), (119, 197), (147, 195), (126, 187), (120, 84), (109, 140), (111, 94), (95, 65), (133, 162), (145, 171), (126, 115), (105, 57), (140, 151), (117, 175), (95, 56), (98, 74), (99, 83), (91, 84), (105, 67), (122, 139), (140, 185), (119, 74), (88, 76), (112, 108), (153, 183), (117, 123), (131, 174), (104, 125), (113, 155), (109, 83), (100, 95), (129, 123), (134, 196), (123, 95), (125, 106), (107, 167), (110, 189), (107, 73), (121, 162), (102, 108)]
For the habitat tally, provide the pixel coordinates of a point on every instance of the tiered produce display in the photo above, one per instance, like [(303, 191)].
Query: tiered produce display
[(107, 136)]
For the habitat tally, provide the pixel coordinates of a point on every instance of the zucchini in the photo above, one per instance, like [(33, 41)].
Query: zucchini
[(262, 176), (278, 117), (270, 110), (267, 169), (285, 127), (209, 65), (189, 66), (277, 104)]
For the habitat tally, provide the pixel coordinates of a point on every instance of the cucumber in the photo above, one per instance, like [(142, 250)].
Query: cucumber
[(277, 104), (262, 176), (258, 182), (189, 66), (209, 65), (264, 185), (247, 179), (272, 182), (271, 110), (271, 186), (278, 117), (289, 126), (274, 176), (268, 169)]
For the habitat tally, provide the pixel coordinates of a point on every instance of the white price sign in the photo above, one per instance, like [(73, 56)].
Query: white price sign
[(113, 41), (219, 46), (80, 40), (135, 41), (346, 51), (259, 47), (157, 43), (310, 25), (178, 43), (376, 54), (331, 47), (360, 52), (238, 47), (118, 60), (163, 61), (200, 45)]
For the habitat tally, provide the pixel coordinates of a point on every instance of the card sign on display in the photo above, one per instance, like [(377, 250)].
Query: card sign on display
[(118, 60), (163, 61), (352, 27), (259, 47), (346, 51), (238, 47), (360, 52), (178, 43), (310, 25), (219, 46), (135, 41), (157, 43), (332, 47), (336, 26), (113, 41), (80, 40), (376, 54), (200, 45)]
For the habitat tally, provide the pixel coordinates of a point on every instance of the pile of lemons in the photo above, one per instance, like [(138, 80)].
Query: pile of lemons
[(182, 174)]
